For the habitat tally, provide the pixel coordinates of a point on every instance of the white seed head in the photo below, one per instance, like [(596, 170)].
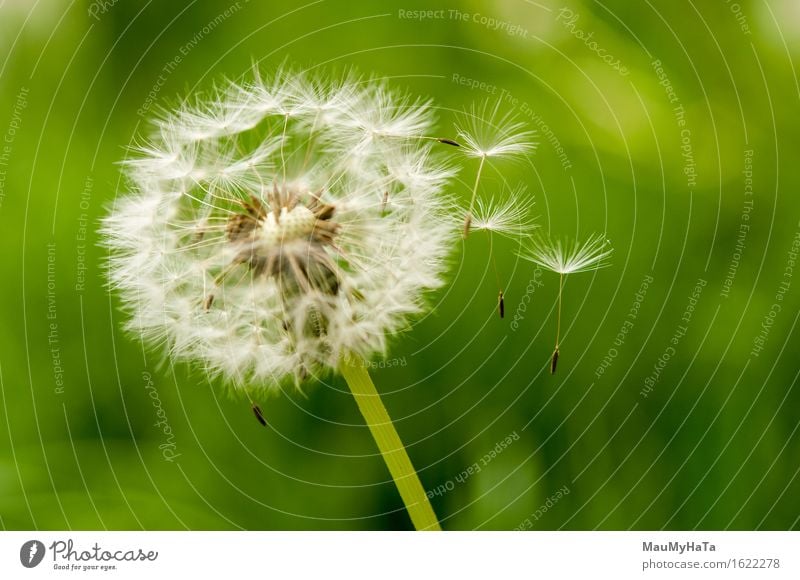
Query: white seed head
[(484, 131), (279, 225), (570, 257)]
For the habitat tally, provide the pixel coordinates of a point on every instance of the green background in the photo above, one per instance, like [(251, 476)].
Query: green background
[(714, 445)]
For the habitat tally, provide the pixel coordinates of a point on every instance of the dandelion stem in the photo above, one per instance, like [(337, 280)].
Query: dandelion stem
[(309, 148), (494, 262), (500, 295), (560, 290), (283, 141), (468, 219), (444, 140), (391, 447), (554, 360)]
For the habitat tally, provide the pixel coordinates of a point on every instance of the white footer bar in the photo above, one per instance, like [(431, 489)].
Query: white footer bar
[(389, 555)]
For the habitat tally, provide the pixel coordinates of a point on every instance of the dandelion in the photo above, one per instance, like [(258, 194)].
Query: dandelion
[(284, 228), (510, 218), (564, 258), (485, 132)]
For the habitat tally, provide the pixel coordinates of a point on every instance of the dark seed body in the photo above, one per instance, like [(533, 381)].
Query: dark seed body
[(259, 415), (554, 362)]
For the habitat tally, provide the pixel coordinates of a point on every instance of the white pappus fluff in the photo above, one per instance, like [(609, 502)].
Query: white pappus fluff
[(279, 225)]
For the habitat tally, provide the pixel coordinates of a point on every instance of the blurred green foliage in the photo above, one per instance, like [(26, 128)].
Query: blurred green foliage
[(713, 445)]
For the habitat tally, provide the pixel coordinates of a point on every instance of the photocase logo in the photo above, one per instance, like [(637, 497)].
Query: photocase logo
[(31, 553)]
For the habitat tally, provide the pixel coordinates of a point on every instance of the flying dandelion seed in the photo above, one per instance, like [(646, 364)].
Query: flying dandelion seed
[(563, 257), (283, 228), (511, 219), (484, 133)]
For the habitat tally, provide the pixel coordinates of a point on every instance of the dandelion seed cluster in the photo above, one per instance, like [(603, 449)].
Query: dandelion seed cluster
[(277, 225)]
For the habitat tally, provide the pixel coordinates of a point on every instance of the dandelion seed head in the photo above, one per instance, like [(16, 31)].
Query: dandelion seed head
[(570, 256), (276, 225)]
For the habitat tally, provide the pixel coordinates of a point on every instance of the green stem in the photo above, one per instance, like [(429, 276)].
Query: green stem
[(475, 187), (468, 218), (560, 290), (554, 359), (391, 447)]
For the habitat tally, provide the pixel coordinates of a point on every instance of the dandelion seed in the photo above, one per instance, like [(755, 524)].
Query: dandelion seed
[(565, 258), (510, 218), (501, 305)]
